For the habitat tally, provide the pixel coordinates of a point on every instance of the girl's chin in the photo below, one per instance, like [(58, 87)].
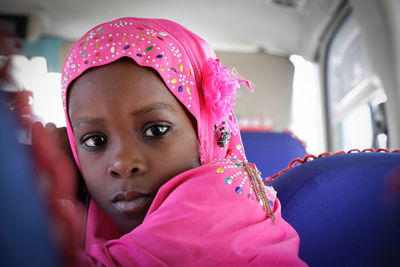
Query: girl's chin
[(127, 224), (127, 227)]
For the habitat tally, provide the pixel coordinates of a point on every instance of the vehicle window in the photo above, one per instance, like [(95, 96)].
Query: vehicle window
[(32, 75), (355, 97)]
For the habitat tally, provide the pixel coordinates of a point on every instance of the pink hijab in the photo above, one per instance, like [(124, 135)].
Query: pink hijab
[(219, 212)]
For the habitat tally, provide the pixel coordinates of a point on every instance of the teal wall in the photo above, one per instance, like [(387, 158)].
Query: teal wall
[(47, 47)]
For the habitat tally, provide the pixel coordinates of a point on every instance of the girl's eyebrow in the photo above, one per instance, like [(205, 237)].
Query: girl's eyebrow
[(140, 112), (87, 120), (154, 107)]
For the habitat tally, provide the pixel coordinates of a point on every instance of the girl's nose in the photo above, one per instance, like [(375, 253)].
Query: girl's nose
[(126, 163)]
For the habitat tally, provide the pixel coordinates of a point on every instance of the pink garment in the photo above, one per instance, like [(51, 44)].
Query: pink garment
[(216, 214)]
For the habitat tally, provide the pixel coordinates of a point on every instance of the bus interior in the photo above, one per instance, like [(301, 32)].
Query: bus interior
[(326, 103)]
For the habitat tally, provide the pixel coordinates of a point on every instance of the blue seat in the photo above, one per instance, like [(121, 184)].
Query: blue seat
[(24, 232), (271, 151), (343, 209)]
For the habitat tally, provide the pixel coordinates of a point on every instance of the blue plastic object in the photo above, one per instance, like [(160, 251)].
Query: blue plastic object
[(342, 209), (271, 151), (24, 235)]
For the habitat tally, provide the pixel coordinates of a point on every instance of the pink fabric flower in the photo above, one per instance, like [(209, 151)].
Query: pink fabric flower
[(219, 88)]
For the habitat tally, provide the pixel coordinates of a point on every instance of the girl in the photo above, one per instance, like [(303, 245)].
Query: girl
[(151, 127)]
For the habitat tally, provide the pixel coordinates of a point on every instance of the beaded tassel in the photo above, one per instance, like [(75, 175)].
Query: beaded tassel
[(259, 188)]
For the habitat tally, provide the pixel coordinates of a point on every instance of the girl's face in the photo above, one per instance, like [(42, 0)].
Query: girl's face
[(132, 136)]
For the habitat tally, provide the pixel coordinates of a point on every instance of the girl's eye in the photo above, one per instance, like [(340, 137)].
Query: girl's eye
[(94, 142), (156, 131)]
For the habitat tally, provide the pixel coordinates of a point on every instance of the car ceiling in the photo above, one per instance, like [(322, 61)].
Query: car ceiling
[(278, 27)]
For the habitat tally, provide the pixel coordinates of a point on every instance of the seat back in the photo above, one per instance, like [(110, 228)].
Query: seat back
[(271, 151), (344, 208)]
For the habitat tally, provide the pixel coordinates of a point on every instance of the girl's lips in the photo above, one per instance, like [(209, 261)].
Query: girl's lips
[(131, 206), (131, 202)]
